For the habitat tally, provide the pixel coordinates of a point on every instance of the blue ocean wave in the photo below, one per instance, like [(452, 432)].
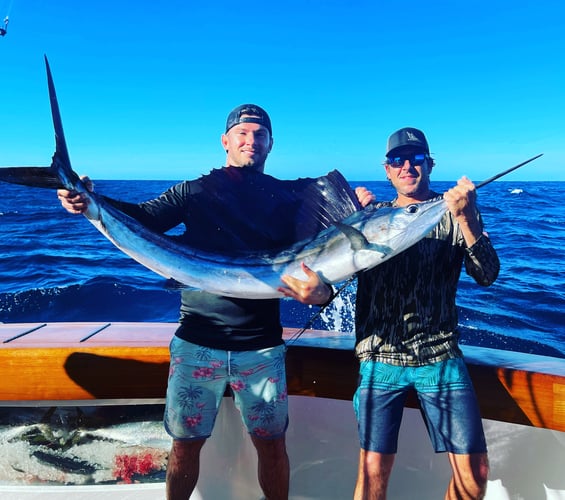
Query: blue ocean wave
[(57, 267), (99, 299)]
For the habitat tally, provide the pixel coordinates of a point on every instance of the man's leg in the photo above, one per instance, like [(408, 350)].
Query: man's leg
[(454, 423), (183, 468), (273, 467), (379, 404), (469, 479), (197, 382), (258, 381), (373, 475)]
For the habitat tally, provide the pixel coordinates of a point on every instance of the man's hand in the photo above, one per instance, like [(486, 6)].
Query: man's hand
[(311, 291), (74, 202), (461, 199), (461, 202), (364, 196)]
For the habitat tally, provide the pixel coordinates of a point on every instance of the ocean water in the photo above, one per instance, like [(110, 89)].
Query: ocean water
[(57, 267)]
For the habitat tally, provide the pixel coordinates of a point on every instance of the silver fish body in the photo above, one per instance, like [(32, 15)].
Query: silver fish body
[(359, 242)]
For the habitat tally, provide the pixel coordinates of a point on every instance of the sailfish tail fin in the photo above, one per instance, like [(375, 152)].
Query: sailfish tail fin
[(60, 174), (42, 177), (61, 163)]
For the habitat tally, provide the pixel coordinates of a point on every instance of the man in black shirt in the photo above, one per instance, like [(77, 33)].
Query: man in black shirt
[(222, 340)]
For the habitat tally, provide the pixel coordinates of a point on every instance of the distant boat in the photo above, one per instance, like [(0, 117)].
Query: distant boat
[(121, 369), (4, 27)]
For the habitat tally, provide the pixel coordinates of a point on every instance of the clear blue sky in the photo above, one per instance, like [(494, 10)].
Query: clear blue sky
[(144, 87)]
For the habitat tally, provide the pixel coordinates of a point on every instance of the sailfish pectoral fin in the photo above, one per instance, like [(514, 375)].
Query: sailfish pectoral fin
[(356, 238), (359, 242)]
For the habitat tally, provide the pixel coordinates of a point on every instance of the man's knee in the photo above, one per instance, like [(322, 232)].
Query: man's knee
[(470, 475), (273, 448), (182, 450)]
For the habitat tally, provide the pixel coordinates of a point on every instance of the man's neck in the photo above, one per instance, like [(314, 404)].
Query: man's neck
[(403, 200), (257, 168)]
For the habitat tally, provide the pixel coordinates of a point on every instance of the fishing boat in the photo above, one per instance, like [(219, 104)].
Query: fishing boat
[(106, 383)]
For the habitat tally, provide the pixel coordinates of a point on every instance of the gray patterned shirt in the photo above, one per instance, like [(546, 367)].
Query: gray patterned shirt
[(405, 308)]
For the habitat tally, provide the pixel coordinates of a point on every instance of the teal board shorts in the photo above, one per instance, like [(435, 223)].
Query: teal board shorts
[(198, 378), (447, 400)]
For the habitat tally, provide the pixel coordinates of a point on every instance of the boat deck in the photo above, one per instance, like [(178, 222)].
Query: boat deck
[(82, 362)]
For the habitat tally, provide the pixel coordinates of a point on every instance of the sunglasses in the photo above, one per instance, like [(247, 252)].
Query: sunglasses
[(414, 159)]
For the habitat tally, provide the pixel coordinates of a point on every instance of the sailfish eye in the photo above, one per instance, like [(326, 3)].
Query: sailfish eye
[(412, 209)]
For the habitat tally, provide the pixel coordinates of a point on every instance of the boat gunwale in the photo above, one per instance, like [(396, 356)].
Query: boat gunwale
[(102, 363)]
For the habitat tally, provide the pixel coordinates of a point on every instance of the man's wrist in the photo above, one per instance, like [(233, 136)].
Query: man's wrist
[(330, 295)]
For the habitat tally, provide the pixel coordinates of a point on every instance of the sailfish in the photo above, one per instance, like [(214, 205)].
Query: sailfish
[(339, 240)]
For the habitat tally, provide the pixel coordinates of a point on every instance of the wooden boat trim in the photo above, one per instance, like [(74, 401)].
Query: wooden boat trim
[(81, 362)]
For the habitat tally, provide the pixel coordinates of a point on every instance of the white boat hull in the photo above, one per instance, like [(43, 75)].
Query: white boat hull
[(526, 462)]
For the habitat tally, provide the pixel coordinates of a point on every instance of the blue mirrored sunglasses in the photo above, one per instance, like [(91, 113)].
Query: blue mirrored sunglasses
[(414, 159)]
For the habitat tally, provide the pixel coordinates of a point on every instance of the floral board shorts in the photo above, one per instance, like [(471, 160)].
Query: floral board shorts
[(198, 378)]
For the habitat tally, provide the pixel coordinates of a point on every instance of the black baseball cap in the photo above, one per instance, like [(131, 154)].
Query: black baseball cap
[(256, 115), (407, 136)]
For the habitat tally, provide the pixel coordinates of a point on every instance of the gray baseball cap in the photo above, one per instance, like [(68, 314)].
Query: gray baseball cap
[(407, 136)]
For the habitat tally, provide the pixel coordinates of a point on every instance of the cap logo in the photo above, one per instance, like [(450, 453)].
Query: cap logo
[(411, 136)]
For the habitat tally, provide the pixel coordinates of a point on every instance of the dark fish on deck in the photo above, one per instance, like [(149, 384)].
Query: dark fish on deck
[(64, 463)]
